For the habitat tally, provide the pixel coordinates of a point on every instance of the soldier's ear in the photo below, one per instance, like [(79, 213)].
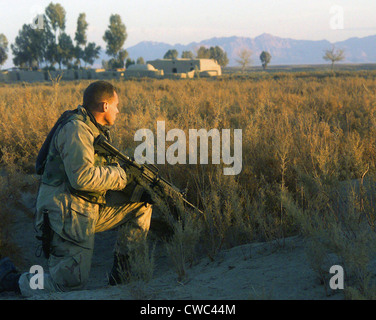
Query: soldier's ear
[(104, 106)]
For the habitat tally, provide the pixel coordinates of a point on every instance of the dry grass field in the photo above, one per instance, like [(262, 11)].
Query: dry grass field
[(309, 159)]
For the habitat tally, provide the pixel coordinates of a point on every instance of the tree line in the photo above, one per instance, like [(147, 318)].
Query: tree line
[(49, 45), (244, 57), (216, 53), (220, 56)]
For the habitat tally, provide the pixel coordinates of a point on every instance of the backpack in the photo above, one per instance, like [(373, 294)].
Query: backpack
[(43, 152)]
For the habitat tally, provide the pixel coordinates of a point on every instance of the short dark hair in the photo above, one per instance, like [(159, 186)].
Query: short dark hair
[(96, 92)]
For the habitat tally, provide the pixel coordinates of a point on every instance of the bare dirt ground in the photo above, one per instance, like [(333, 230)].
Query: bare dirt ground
[(251, 271)]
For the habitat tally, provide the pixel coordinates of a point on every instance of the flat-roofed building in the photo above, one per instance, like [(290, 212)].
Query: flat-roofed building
[(204, 67), (142, 70)]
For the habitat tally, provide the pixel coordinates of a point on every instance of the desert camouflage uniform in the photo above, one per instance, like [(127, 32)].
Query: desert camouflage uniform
[(74, 173)]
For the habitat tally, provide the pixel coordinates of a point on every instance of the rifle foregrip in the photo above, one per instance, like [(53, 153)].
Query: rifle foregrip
[(148, 172)]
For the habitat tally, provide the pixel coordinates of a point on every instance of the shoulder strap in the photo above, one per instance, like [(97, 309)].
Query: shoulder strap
[(43, 152), (77, 114)]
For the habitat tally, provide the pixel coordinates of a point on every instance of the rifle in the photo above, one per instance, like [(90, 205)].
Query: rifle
[(144, 173)]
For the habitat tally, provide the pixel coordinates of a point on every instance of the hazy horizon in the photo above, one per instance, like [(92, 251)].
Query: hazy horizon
[(183, 22)]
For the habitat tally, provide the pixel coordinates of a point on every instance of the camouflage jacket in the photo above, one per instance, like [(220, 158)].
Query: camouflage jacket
[(73, 175)]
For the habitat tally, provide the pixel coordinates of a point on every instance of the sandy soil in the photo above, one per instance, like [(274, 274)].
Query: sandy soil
[(252, 271)]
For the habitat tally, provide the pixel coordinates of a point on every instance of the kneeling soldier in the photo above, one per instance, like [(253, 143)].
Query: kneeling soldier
[(82, 192)]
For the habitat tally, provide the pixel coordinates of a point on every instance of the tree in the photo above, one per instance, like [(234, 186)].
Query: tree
[(219, 55), (216, 53), (87, 52), (65, 50), (118, 62), (187, 55), (265, 58), (29, 48), (34, 46), (80, 38), (129, 62), (115, 37), (90, 53), (334, 55), (171, 54), (244, 56), (140, 60), (51, 52), (79, 55), (3, 49), (80, 35), (122, 55), (56, 17), (203, 53)]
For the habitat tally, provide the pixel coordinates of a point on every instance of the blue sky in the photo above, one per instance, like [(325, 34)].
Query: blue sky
[(185, 21)]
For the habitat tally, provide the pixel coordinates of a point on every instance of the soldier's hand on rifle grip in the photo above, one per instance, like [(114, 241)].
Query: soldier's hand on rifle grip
[(146, 197), (129, 174)]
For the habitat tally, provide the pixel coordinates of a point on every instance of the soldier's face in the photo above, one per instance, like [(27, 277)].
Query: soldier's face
[(112, 110)]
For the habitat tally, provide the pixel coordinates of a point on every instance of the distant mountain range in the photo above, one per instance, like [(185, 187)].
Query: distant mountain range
[(283, 50)]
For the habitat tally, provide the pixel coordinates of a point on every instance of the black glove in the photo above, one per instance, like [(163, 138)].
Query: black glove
[(130, 176), (146, 197)]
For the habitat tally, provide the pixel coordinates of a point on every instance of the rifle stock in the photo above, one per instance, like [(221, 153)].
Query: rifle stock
[(147, 172)]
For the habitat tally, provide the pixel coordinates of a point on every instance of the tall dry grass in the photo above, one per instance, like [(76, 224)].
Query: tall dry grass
[(303, 135)]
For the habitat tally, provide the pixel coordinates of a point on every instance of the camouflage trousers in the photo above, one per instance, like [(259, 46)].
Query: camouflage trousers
[(69, 263)]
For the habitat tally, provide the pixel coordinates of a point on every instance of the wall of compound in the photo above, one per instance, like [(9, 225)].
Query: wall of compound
[(66, 75)]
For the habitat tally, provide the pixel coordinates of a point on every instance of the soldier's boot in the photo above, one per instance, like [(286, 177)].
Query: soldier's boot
[(9, 276), (120, 270)]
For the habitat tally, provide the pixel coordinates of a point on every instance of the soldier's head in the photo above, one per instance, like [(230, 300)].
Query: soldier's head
[(101, 99)]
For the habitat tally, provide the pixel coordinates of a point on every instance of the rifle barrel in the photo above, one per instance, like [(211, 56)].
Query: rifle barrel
[(150, 174)]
